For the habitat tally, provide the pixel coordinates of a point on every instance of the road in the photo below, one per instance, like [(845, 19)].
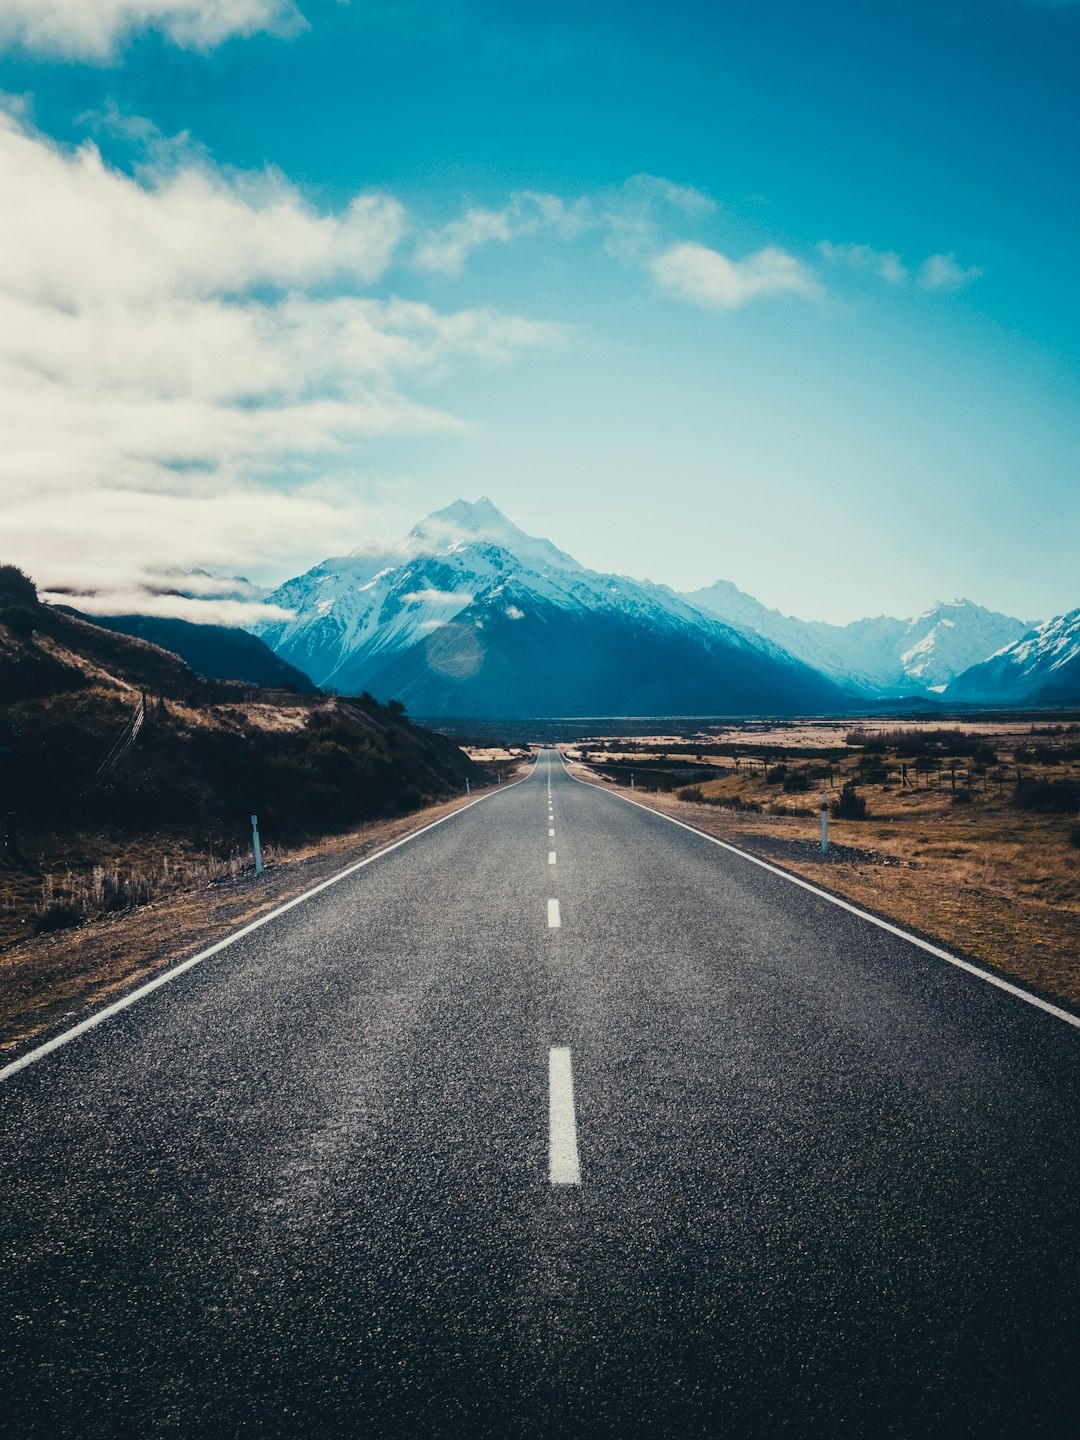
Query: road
[(558, 1120)]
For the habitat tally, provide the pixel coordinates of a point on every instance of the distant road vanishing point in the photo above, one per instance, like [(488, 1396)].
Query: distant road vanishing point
[(557, 1120)]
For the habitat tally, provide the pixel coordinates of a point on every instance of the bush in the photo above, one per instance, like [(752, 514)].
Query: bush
[(1074, 837), (962, 797), (1048, 797), (849, 805), (59, 916), (16, 586), (691, 792), (19, 622), (796, 781)]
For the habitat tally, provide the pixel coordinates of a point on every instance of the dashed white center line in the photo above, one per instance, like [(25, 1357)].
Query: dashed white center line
[(563, 1167), (554, 918), (551, 834), (551, 857)]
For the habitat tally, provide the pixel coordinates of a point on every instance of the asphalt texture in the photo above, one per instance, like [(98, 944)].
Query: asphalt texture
[(829, 1183)]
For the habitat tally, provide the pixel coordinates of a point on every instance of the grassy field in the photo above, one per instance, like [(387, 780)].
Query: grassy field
[(971, 835)]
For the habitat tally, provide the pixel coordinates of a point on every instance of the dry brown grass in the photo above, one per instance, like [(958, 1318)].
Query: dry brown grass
[(996, 883)]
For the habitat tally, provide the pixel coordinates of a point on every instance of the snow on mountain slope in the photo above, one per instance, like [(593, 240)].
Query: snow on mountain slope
[(1043, 667), (882, 655), (460, 586)]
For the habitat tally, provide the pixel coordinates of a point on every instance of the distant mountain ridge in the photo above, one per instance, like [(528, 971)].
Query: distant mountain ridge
[(881, 655), (1042, 668), (470, 616), (217, 652)]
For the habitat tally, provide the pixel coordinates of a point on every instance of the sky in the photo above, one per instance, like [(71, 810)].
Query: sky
[(782, 294)]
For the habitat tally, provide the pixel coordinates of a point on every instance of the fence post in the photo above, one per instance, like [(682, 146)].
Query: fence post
[(824, 822), (256, 845)]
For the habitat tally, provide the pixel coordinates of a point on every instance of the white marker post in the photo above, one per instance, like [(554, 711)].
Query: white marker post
[(468, 787), (824, 822), (255, 843), (631, 779)]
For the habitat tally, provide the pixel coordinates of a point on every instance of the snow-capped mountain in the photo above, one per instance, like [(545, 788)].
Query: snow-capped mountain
[(880, 655), (471, 616), (1041, 668)]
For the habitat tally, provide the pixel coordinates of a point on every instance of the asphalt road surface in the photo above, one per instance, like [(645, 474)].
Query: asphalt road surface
[(558, 1120)]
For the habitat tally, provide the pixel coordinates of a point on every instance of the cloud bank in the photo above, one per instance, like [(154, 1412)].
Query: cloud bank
[(181, 353)]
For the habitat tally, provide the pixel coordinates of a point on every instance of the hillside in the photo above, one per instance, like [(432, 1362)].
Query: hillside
[(90, 774), (217, 652)]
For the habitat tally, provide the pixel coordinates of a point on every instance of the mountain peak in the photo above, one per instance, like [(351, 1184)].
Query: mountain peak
[(467, 521)]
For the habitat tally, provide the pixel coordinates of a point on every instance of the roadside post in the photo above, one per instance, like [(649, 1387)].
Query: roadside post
[(468, 787), (824, 822), (256, 845), (631, 779)]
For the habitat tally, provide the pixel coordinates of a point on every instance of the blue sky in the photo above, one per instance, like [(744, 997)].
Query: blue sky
[(781, 294)]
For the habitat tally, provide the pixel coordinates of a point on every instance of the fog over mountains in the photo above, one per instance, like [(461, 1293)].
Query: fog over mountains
[(470, 616)]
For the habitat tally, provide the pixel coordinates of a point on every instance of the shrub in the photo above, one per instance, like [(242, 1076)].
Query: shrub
[(19, 622), (1048, 797), (796, 781), (58, 916), (849, 805), (16, 585), (1074, 837), (776, 775), (962, 797), (691, 792)]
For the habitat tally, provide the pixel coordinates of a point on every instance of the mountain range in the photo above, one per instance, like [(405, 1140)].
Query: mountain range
[(880, 655), (471, 616)]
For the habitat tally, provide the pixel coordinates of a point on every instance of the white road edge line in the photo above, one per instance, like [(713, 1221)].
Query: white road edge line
[(563, 1167), (40, 1051), (976, 970), (554, 918)]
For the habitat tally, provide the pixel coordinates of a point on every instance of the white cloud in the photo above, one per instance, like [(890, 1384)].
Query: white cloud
[(93, 29), (937, 272), (629, 215), (181, 352), (886, 264), (456, 599), (240, 614), (941, 272), (704, 277), (445, 250)]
